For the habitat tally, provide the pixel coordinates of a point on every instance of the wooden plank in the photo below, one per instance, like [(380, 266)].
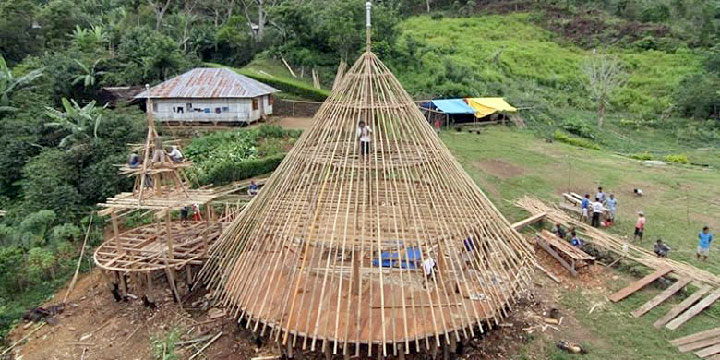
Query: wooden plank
[(677, 309), (657, 300), (714, 357), (708, 351), (691, 312), (632, 288), (531, 220), (699, 344)]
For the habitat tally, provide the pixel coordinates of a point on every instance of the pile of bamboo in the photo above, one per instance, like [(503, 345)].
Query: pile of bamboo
[(330, 251), (616, 244)]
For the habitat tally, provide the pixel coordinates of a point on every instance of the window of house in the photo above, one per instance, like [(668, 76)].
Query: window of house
[(226, 109), (155, 107), (218, 110), (180, 110), (188, 107), (271, 99), (255, 104)]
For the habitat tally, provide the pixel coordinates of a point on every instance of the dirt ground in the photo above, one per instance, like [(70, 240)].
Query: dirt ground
[(302, 123), (94, 326)]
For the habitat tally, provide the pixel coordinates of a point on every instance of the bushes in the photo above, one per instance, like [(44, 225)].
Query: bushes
[(645, 156), (581, 142), (677, 158), (227, 156), (579, 128), (228, 171)]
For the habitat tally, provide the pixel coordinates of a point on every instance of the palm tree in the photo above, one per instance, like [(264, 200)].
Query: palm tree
[(10, 83), (76, 120), (89, 74)]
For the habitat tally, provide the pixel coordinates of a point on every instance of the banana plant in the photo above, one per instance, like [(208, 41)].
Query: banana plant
[(76, 120), (9, 83), (89, 73)]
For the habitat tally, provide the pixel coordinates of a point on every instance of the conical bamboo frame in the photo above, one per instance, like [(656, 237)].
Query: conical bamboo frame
[(298, 262)]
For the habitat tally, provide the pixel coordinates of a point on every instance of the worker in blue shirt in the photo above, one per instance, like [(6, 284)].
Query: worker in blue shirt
[(575, 240), (705, 238), (584, 207)]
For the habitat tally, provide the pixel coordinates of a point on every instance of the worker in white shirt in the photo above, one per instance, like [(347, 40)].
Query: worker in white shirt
[(429, 266), (597, 209), (176, 155), (363, 135)]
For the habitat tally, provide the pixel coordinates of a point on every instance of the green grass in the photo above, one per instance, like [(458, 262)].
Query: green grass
[(533, 63), (508, 164), (678, 199)]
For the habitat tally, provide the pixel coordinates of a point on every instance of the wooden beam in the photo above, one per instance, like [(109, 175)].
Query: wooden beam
[(543, 244), (699, 344), (531, 220), (696, 337), (691, 312), (657, 300), (708, 351), (677, 309), (632, 288), (548, 273)]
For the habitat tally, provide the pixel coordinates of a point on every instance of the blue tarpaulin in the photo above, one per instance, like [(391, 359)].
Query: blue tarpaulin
[(453, 106), (411, 260)]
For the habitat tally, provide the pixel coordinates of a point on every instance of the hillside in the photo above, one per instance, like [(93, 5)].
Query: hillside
[(511, 56)]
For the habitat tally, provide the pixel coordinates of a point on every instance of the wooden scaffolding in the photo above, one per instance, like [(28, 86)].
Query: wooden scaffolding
[(165, 244), (330, 254)]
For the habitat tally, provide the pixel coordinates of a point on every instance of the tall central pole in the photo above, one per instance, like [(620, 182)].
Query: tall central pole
[(368, 6)]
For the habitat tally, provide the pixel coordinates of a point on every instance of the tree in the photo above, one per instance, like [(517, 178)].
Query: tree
[(9, 83), (19, 35), (76, 120), (159, 7), (604, 76)]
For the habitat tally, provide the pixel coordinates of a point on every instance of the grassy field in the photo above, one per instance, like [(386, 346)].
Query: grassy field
[(678, 201)]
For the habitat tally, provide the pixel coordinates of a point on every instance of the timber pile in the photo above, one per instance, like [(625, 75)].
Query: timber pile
[(329, 253), (701, 299), (616, 244), (705, 344)]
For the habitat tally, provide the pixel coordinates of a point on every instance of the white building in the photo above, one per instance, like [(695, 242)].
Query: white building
[(210, 95)]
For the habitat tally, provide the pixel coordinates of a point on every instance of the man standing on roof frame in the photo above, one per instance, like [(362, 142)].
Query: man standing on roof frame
[(363, 135)]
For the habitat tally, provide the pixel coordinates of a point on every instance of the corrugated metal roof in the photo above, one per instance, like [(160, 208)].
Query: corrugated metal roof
[(208, 83)]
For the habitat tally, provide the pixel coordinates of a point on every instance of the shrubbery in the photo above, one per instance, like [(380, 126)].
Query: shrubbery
[(677, 158), (226, 156), (581, 142)]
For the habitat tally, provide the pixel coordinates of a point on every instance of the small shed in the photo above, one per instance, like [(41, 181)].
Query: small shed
[(210, 95)]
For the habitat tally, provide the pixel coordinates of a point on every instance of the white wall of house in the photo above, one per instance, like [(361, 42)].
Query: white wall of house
[(211, 110)]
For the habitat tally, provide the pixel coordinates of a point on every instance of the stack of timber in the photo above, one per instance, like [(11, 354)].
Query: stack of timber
[(705, 344), (330, 253), (685, 273), (570, 257)]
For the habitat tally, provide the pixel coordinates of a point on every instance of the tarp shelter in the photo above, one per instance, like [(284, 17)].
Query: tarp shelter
[(393, 259), (489, 105), (453, 106)]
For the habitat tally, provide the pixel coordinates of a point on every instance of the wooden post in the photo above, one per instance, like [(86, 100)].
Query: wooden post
[(356, 273), (116, 232), (168, 235), (149, 287)]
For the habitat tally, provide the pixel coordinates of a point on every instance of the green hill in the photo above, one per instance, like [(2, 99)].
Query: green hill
[(510, 55)]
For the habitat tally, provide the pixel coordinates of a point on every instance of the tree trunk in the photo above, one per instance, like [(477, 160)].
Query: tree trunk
[(261, 20), (427, 5), (601, 114)]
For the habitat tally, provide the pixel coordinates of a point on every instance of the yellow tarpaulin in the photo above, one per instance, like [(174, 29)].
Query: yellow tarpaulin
[(489, 105)]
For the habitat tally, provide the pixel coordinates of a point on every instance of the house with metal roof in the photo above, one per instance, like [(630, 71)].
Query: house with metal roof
[(210, 95)]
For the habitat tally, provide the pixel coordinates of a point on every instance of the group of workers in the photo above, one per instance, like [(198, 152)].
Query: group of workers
[(607, 206), (175, 155), (571, 236), (594, 210)]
